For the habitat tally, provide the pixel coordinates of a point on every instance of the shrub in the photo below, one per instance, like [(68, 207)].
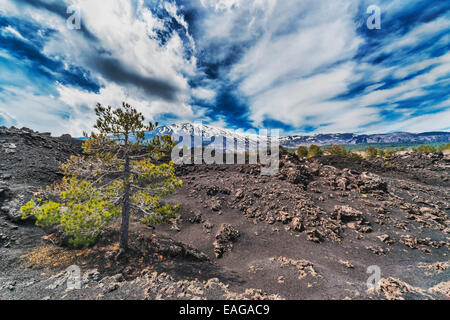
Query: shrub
[(424, 148), (389, 152), (302, 152), (444, 147), (337, 150), (314, 150), (82, 212), (371, 152), (354, 155)]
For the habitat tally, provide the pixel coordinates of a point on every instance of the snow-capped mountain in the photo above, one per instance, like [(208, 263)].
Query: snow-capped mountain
[(351, 138), (208, 132)]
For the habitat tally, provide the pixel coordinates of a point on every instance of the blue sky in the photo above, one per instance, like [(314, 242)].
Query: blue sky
[(305, 66)]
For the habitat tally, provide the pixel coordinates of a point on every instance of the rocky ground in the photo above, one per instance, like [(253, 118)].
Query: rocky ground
[(309, 232)]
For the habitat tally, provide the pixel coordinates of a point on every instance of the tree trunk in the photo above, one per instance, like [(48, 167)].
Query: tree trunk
[(125, 207)]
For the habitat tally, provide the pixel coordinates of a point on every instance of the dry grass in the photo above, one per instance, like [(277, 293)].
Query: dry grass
[(51, 256), (58, 257)]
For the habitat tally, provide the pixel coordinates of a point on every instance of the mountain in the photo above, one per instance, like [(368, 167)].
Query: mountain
[(208, 132), (351, 138), (243, 141)]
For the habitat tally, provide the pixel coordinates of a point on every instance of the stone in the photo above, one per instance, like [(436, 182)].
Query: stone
[(297, 224), (346, 213), (226, 235)]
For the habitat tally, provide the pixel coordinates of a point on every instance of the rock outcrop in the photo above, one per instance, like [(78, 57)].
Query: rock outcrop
[(29, 160)]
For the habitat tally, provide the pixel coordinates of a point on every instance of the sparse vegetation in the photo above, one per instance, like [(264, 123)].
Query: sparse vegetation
[(370, 152), (424, 149), (389, 152), (444, 147), (340, 151), (430, 148), (374, 152)]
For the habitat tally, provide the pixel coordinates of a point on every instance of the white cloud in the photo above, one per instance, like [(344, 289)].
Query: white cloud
[(11, 31), (219, 123), (298, 62), (221, 5), (24, 108), (83, 103), (294, 70), (413, 87), (350, 120), (418, 34), (204, 93), (6, 119), (295, 59), (322, 37), (296, 101), (126, 33), (422, 123)]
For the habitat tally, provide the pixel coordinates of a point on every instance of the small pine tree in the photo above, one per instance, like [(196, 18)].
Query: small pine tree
[(117, 175), (372, 152), (314, 150), (337, 150), (302, 152), (389, 152)]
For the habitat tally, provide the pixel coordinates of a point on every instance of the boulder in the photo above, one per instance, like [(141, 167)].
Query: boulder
[(347, 213), (297, 224), (225, 237), (371, 182)]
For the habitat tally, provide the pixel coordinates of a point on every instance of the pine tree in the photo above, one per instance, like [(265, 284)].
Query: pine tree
[(314, 150), (302, 152), (119, 173)]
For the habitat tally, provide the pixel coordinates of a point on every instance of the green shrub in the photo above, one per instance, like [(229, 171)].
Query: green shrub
[(444, 147), (354, 155), (337, 150), (424, 149), (282, 149), (83, 210), (389, 152), (314, 150), (302, 152), (371, 152)]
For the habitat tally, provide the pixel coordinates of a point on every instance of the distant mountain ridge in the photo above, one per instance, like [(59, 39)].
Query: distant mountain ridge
[(351, 138), (207, 132)]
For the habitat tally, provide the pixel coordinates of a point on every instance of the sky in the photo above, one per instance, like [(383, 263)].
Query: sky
[(301, 66)]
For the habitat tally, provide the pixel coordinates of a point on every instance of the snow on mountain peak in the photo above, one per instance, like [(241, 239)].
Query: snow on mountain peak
[(252, 138)]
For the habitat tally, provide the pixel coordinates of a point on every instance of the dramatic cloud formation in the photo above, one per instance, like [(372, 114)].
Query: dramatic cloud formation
[(301, 66)]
